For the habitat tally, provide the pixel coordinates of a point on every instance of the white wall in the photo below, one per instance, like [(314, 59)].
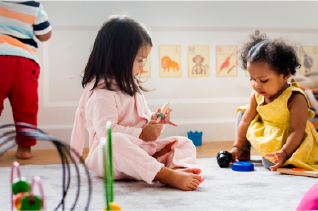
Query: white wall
[(203, 104)]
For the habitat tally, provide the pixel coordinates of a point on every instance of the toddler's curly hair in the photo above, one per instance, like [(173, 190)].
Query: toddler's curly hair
[(281, 56)]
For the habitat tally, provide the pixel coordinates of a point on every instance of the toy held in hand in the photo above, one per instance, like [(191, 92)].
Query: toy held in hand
[(161, 115), (224, 158)]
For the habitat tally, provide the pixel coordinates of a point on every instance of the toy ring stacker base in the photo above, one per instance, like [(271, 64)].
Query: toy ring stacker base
[(242, 166)]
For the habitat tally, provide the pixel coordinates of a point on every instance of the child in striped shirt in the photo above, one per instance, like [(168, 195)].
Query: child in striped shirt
[(19, 65)]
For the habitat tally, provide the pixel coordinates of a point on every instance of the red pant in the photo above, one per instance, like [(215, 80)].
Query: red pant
[(19, 82)]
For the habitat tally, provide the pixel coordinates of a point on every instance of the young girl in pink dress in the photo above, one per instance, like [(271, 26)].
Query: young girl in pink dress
[(112, 93)]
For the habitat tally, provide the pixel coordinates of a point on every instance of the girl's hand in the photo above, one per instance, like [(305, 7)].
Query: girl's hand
[(236, 153), (151, 131), (167, 117), (280, 157)]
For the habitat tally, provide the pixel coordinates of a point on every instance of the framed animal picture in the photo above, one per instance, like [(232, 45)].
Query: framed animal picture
[(170, 61), (198, 61), (226, 61), (145, 72), (308, 59)]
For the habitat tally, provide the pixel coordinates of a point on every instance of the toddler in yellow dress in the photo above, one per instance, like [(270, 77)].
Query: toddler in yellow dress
[(275, 121)]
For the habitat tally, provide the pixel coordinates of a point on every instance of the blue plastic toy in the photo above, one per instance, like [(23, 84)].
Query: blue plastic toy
[(242, 166), (196, 137)]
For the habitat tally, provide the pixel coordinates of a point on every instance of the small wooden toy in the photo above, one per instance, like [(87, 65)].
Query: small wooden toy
[(224, 158), (108, 171), (161, 115), (298, 172), (24, 198)]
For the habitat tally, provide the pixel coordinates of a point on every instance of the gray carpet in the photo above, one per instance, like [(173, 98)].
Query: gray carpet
[(223, 189)]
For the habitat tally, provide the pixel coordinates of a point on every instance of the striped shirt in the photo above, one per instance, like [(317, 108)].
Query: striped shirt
[(19, 22)]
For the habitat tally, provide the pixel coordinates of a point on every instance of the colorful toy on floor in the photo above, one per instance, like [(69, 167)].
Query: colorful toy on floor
[(24, 198), (108, 171), (161, 115), (22, 193), (242, 166), (195, 137), (298, 172), (224, 158)]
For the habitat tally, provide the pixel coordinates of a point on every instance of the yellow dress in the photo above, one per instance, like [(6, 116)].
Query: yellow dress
[(269, 130)]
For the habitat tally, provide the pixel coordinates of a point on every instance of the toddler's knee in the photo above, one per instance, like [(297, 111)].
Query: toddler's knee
[(188, 142)]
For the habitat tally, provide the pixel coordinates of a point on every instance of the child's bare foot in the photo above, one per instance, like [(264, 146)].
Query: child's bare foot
[(196, 171), (179, 179), (24, 152)]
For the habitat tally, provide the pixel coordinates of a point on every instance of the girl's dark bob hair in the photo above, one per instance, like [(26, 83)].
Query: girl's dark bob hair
[(115, 49), (280, 55)]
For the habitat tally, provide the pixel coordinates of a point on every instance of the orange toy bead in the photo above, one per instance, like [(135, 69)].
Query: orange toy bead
[(18, 199), (297, 169), (113, 206)]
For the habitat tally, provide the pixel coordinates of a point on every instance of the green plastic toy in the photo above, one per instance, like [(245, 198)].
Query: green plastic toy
[(108, 171)]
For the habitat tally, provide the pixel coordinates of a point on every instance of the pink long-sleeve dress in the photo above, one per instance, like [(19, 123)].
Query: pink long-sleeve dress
[(131, 155)]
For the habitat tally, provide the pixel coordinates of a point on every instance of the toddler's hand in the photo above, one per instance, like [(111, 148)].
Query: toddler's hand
[(167, 117), (151, 131), (280, 157), (236, 153)]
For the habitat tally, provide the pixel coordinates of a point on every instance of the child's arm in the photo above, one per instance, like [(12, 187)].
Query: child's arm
[(247, 118), (42, 28), (102, 108), (298, 109), (44, 37)]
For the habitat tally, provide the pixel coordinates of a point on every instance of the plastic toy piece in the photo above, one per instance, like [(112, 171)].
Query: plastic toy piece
[(18, 199), (224, 158), (242, 166), (161, 115), (298, 169), (29, 203), (298, 173), (20, 185), (20, 188), (32, 199), (195, 137), (108, 171), (113, 206)]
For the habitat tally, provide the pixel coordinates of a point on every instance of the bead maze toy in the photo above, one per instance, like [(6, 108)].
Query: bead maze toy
[(108, 170), (24, 198), (20, 187), (161, 115)]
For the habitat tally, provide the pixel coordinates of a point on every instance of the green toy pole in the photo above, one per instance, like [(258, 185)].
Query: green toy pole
[(108, 167)]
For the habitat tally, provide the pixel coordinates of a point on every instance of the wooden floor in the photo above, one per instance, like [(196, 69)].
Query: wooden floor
[(50, 156)]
